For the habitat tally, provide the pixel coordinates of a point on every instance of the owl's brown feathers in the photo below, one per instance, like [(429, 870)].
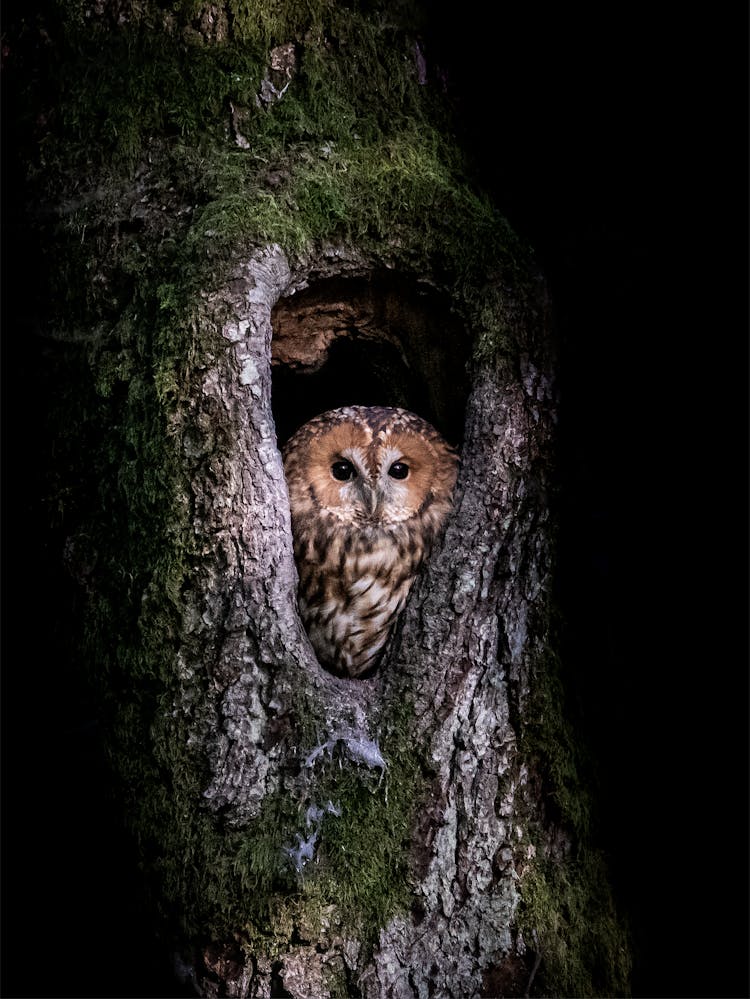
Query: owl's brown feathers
[(370, 488)]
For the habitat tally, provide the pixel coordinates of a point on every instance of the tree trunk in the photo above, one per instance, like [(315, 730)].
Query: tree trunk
[(289, 232)]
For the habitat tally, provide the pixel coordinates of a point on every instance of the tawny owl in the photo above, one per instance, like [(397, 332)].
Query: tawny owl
[(370, 488)]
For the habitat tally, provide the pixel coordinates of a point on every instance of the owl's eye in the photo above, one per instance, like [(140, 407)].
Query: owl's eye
[(398, 470), (343, 470)]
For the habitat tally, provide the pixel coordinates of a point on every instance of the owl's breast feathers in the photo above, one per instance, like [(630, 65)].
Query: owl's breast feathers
[(353, 585)]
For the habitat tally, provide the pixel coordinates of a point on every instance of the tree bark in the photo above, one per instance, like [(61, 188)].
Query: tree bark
[(461, 663), (420, 833)]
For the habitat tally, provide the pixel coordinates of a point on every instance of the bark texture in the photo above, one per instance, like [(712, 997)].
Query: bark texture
[(421, 833)]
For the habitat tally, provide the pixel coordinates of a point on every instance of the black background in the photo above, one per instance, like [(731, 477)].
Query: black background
[(615, 140)]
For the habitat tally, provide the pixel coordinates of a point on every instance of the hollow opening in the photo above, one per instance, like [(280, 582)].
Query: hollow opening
[(378, 340), (383, 339)]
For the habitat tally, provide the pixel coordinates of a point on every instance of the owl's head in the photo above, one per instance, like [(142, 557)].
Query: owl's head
[(369, 466)]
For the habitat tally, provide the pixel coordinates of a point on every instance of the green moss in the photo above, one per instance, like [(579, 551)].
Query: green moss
[(360, 875), (212, 880), (568, 918), (567, 913), (356, 151), (118, 88), (216, 880), (364, 858), (552, 748)]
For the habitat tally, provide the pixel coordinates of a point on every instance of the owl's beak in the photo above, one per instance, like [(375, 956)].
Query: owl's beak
[(370, 498)]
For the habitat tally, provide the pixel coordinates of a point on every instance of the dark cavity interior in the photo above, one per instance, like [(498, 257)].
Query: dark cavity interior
[(376, 340)]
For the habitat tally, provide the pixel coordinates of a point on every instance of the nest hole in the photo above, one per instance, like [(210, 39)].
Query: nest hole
[(383, 339)]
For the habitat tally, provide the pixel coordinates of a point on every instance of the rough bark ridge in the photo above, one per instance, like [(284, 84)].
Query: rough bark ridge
[(244, 602), (461, 655), (465, 651)]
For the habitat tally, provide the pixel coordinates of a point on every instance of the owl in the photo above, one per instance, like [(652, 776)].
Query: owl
[(369, 488)]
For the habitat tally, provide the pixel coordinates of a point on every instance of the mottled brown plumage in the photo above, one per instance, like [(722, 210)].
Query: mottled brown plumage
[(370, 488)]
